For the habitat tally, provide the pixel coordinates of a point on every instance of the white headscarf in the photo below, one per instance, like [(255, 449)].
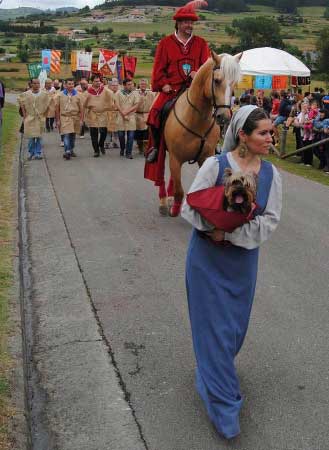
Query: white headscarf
[(239, 118)]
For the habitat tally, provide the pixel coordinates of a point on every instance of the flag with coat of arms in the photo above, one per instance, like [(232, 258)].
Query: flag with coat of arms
[(107, 61)]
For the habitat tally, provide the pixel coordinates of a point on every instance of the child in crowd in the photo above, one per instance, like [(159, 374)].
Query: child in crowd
[(321, 130), (308, 125)]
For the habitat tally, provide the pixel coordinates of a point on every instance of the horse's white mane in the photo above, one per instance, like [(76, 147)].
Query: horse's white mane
[(230, 67)]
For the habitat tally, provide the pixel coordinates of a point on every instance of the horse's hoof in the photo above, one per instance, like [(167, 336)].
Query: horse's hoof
[(175, 209), (170, 201), (163, 210)]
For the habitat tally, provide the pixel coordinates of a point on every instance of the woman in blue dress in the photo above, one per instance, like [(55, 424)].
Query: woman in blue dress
[(221, 279)]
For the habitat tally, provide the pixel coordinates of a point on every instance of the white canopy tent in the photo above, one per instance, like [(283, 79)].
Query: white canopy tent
[(271, 61)]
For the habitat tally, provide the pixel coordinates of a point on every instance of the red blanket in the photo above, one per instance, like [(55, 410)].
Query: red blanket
[(210, 205)]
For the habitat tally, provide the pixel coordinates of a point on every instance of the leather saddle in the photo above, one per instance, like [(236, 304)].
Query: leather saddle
[(164, 113)]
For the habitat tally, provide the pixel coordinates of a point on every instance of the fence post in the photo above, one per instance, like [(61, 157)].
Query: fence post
[(283, 140)]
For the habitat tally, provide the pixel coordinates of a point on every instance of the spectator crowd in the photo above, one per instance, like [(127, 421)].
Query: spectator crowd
[(307, 113)]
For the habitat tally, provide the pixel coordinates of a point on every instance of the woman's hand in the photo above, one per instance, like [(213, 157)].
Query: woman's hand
[(216, 235)]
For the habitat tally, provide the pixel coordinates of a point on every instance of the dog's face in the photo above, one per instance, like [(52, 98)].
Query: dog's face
[(240, 190)]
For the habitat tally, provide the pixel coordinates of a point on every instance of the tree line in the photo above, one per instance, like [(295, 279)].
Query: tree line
[(7, 26), (288, 6)]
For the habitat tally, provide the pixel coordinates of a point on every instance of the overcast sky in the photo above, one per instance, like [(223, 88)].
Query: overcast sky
[(52, 4)]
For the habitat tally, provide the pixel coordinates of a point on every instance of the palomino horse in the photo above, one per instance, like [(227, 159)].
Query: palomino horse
[(192, 129)]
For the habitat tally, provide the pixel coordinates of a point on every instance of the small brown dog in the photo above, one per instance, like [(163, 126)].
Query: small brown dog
[(240, 191)]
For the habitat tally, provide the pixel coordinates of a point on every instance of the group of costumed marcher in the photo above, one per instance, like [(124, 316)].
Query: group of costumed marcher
[(221, 268), (120, 111)]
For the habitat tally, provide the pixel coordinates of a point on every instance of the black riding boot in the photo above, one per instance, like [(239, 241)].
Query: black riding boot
[(154, 151)]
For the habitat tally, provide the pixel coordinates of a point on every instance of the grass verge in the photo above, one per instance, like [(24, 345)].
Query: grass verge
[(7, 227), (291, 165)]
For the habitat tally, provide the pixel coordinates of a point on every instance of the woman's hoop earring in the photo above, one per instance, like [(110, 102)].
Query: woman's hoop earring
[(242, 150)]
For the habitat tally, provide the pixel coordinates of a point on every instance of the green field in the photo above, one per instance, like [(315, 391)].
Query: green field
[(7, 249)]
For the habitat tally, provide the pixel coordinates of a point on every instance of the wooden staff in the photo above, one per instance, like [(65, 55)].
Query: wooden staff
[(300, 150)]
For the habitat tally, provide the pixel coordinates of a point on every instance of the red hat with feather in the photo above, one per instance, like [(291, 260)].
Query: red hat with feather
[(187, 12)]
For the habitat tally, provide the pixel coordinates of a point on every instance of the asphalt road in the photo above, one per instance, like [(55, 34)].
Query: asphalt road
[(133, 262)]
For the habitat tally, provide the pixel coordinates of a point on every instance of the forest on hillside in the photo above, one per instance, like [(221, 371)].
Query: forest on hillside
[(223, 5)]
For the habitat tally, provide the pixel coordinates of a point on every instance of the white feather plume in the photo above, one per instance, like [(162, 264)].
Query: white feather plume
[(197, 4)]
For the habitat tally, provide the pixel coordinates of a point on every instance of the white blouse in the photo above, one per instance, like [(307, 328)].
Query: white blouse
[(252, 234)]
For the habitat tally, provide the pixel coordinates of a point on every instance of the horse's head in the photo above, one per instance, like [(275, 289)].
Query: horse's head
[(225, 73)]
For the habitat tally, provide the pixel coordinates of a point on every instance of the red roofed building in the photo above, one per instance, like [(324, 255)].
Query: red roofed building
[(134, 36)]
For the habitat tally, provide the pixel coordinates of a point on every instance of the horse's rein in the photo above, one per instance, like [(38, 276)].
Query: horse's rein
[(200, 136), (214, 104), (194, 107)]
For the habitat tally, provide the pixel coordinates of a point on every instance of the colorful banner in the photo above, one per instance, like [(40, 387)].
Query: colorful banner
[(129, 64), (293, 81), (42, 77), (112, 64), (34, 69), (55, 62), (94, 68), (74, 62), (304, 81), (279, 82), (107, 62), (45, 59), (106, 71), (120, 73), (245, 82), (263, 82), (84, 60)]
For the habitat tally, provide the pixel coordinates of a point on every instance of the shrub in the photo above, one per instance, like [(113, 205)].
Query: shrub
[(8, 69)]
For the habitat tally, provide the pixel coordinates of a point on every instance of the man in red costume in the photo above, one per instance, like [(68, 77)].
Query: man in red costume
[(177, 59)]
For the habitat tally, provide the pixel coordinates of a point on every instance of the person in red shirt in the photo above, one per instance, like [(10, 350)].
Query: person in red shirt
[(177, 59), (275, 105)]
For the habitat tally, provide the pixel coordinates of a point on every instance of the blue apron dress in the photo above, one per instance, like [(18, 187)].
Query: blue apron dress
[(220, 283)]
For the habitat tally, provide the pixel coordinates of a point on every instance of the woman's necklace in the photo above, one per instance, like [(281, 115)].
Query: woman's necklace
[(251, 166)]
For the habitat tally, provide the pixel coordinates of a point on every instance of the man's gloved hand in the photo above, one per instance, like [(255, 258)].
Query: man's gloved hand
[(166, 88)]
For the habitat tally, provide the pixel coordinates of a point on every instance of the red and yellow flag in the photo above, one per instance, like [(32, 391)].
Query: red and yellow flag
[(55, 62)]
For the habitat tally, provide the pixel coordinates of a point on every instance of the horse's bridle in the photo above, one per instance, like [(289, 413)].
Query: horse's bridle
[(214, 104)]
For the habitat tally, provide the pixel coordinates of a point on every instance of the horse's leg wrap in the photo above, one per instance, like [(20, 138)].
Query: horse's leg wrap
[(175, 209), (170, 188), (162, 190)]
